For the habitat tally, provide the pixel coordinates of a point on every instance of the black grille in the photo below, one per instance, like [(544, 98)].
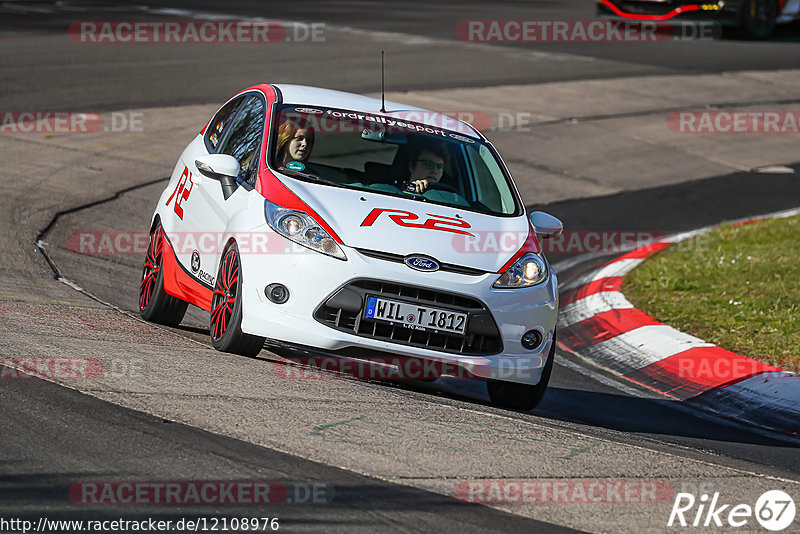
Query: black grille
[(344, 311), (397, 258)]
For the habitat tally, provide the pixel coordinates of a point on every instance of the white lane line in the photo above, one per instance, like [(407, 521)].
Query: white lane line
[(662, 340), (641, 347), (590, 306), (617, 268)]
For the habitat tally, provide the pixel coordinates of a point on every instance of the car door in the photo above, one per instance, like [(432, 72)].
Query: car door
[(208, 213)]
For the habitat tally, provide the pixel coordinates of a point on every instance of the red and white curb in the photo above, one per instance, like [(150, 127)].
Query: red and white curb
[(597, 323)]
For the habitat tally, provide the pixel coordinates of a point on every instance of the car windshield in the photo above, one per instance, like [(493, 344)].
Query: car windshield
[(391, 156)]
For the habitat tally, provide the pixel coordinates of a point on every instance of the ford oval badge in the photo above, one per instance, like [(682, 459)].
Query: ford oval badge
[(422, 263)]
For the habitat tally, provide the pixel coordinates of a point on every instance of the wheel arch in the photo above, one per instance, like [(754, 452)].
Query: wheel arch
[(155, 222)]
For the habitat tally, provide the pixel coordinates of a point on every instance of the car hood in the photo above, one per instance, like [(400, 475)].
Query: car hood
[(398, 226)]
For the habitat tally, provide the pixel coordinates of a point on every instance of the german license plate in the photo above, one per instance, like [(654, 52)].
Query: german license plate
[(415, 316)]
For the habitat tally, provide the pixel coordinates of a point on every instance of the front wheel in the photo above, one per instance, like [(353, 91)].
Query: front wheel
[(155, 305), (522, 396), (226, 310), (758, 18)]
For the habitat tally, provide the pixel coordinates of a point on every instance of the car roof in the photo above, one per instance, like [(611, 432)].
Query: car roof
[(318, 97)]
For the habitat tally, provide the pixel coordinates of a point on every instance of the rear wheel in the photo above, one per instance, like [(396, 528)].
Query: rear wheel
[(226, 310), (522, 396), (758, 18), (155, 305)]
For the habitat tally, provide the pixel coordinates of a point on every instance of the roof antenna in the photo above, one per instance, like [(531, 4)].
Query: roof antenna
[(383, 96)]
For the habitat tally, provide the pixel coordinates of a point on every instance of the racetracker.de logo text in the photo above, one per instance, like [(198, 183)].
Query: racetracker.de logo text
[(734, 122), (575, 491), (192, 31), (581, 31)]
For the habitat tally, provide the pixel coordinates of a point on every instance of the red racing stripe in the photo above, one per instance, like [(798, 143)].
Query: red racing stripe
[(531, 244), (748, 221), (179, 284), (674, 13), (270, 186)]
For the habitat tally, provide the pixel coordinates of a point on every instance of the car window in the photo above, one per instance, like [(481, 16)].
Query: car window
[(220, 123), (245, 137), (490, 184), (385, 155)]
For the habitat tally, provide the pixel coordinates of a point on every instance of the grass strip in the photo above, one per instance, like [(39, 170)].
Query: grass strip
[(736, 286)]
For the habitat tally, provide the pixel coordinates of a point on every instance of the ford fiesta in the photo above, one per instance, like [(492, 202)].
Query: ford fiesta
[(335, 223)]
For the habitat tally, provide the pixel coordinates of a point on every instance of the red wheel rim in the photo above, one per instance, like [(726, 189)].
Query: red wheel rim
[(224, 294), (152, 266)]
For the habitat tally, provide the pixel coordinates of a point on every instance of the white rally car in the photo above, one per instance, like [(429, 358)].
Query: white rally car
[(326, 221)]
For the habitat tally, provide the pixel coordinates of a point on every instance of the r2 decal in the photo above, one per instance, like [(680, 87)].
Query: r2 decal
[(403, 218), (181, 193)]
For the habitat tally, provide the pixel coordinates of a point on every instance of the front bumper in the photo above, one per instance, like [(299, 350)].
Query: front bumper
[(312, 277)]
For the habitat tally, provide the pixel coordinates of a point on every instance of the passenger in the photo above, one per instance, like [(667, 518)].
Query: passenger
[(426, 166), (295, 142)]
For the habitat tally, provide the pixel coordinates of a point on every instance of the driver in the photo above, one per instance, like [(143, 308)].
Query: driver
[(295, 142), (426, 166)]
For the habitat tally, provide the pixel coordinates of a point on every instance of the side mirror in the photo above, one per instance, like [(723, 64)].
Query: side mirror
[(217, 166), (545, 225)]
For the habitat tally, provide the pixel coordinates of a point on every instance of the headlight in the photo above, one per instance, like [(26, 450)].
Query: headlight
[(299, 227), (527, 271)]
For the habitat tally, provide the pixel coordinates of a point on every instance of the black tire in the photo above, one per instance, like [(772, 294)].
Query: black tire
[(155, 305), (225, 321), (522, 396), (758, 18)]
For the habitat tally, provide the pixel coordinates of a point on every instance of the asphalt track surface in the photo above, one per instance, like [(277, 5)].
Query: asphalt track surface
[(54, 435), (125, 77), (122, 443)]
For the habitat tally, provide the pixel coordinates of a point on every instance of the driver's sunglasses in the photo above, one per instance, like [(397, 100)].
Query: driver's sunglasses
[(432, 165)]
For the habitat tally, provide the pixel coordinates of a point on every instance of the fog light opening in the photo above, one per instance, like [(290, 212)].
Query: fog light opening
[(277, 293), (532, 339)]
